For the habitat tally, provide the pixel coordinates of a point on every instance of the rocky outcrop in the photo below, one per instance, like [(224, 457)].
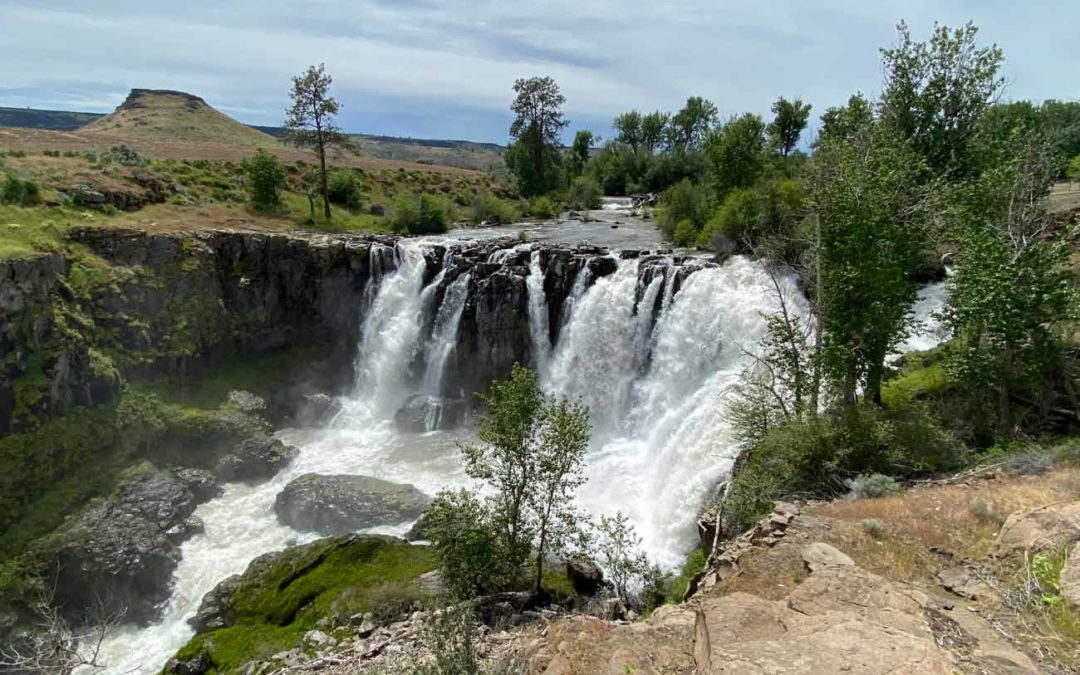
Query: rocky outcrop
[(430, 413), (121, 551), (255, 459), (1054, 526), (584, 574), (333, 505)]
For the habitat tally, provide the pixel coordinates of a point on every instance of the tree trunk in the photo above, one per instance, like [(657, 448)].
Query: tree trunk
[(819, 303), (325, 183), (540, 559)]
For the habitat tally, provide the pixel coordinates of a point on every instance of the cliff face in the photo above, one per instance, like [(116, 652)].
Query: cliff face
[(142, 305)]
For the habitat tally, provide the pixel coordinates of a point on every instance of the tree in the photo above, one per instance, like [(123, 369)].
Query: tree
[(266, 178), (1013, 285), (847, 120), (690, 126), (465, 540), (736, 154), (620, 554), (653, 129), (867, 201), (537, 124), (559, 458), (580, 151), (531, 454), (788, 125), (935, 93), (309, 121), (628, 126)]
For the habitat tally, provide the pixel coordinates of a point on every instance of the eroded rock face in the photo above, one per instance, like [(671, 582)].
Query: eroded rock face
[(255, 459), (123, 550), (342, 504)]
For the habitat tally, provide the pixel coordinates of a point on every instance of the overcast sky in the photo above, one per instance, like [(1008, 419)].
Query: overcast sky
[(444, 68)]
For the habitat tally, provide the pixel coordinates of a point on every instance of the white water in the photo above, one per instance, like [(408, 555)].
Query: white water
[(538, 313), (657, 388), (929, 331)]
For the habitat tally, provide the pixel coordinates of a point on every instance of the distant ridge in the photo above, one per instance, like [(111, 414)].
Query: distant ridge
[(53, 120), (150, 114)]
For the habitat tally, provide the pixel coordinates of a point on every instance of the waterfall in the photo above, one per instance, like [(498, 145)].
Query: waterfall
[(581, 282), (538, 314), (392, 330), (445, 335), (595, 357)]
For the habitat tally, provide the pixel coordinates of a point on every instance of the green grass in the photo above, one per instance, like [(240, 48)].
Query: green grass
[(28, 231), (276, 605), (695, 562), (922, 377)]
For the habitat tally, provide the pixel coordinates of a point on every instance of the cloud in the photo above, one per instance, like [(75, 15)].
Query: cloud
[(445, 67)]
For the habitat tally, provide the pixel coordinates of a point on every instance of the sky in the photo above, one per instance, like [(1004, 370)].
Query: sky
[(445, 68)]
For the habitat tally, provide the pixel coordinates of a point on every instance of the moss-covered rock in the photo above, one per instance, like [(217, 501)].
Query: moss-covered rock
[(282, 595)]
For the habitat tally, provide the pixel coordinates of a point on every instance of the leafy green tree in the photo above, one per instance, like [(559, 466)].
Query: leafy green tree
[(788, 124), (580, 151), (470, 554), (866, 195), (1012, 287), (628, 128), (736, 154), (348, 189), (620, 554), (1072, 171), (684, 202), (310, 123), (266, 178), (419, 214), (936, 91), (689, 127), (847, 120), (537, 124), (1061, 125), (653, 130)]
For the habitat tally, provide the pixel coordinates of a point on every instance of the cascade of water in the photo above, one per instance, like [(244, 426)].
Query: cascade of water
[(581, 282), (392, 330), (445, 335), (595, 357), (538, 314), (643, 326)]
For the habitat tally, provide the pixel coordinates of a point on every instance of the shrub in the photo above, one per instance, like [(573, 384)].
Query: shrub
[(685, 201), (584, 193), (420, 214), (685, 233), (123, 154), (466, 545), (874, 527), (487, 208), (1073, 170), (450, 636), (347, 189), (20, 192), (873, 486), (985, 512), (543, 207), (737, 218), (266, 178)]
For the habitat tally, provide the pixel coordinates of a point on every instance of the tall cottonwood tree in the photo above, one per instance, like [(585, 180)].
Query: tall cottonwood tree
[(309, 121), (788, 124), (688, 128), (537, 124)]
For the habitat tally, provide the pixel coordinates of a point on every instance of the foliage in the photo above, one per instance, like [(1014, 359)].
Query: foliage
[(467, 546), (487, 208), (538, 121), (450, 635), (789, 122), (419, 214), (1012, 286), (309, 121), (122, 154), (936, 91), (523, 166), (266, 179), (869, 207), (580, 151), (543, 207), (688, 128), (19, 192), (846, 121), (873, 527), (695, 564), (530, 454), (736, 153), (872, 486), (684, 202), (584, 194), (624, 564), (1073, 170), (347, 189)]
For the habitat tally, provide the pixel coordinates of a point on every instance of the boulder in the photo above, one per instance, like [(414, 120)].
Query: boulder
[(1070, 578), (819, 556), (584, 574), (343, 504), (430, 413), (1054, 526), (317, 409), (960, 581), (255, 459), (119, 553), (200, 664)]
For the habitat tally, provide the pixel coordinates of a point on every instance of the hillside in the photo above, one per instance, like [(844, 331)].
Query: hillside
[(153, 114), (54, 120)]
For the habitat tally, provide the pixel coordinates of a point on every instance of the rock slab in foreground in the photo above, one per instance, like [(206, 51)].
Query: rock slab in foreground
[(337, 504)]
